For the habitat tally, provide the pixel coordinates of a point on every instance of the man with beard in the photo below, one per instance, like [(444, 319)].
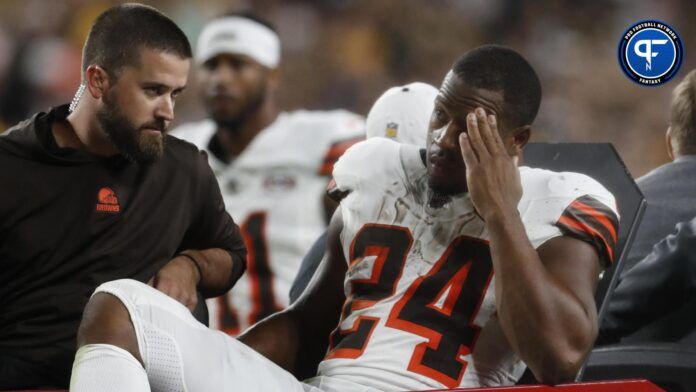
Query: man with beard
[(446, 267), (97, 191), (273, 167)]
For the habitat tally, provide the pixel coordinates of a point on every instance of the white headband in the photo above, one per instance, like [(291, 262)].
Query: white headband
[(238, 35)]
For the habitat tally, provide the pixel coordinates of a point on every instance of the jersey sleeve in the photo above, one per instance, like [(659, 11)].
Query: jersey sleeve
[(574, 205), (590, 220), (368, 163), (335, 151), (346, 131), (198, 133)]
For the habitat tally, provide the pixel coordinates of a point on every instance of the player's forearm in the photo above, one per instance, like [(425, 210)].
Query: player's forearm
[(276, 337), (293, 341), (544, 322), (219, 270)]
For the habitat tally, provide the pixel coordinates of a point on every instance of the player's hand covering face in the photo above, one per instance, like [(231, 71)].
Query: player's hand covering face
[(492, 176), (446, 168)]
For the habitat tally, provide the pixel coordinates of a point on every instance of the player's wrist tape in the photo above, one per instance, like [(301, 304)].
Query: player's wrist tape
[(194, 261)]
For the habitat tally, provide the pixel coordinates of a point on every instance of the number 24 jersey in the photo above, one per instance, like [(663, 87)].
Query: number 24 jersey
[(420, 309)]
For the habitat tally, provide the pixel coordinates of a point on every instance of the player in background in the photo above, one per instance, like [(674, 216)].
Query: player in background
[(401, 113), (273, 167), (449, 268)]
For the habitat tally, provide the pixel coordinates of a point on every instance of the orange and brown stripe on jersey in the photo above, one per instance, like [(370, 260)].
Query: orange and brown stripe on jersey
[(590, 220), (334, 152)]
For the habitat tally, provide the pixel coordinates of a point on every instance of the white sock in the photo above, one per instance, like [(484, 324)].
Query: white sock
[(107, 368)]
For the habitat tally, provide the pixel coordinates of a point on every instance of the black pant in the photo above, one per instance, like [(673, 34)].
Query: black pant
[(16, 373)]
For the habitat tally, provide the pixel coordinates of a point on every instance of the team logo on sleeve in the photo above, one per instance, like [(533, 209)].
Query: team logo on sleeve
[(650, 52)]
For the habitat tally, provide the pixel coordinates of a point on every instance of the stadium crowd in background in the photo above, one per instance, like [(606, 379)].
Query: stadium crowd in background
[(343, 54)]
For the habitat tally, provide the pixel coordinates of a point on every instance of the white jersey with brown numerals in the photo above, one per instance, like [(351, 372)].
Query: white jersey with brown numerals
[(274, 191), (420, 310)]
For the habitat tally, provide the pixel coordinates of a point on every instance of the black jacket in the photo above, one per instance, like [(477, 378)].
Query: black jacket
[(70, 221)]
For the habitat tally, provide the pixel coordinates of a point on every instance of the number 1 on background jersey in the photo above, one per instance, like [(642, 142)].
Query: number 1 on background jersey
[(258, 272)]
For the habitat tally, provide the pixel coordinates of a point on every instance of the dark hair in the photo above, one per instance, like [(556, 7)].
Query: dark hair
[(118, 34), (682, 116), (251, 15), (495, 67)]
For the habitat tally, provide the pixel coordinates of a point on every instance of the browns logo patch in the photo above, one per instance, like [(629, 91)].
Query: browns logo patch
[(107, 201)]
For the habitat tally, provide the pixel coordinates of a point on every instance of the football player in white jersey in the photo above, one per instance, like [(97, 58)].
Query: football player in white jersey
[(445, 267), (273, 167), (402, 114)]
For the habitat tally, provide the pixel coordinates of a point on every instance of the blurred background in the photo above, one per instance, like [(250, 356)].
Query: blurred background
[(344, 54)]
